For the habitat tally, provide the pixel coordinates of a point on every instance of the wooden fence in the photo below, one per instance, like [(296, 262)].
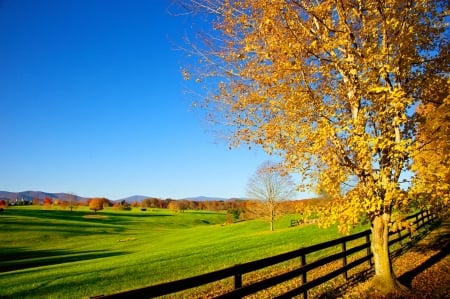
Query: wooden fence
[(240, 289)]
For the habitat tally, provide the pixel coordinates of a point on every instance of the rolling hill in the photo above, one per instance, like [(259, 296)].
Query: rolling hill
[(30, 195)]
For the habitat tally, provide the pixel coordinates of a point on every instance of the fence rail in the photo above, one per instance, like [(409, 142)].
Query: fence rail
[(237, 271)]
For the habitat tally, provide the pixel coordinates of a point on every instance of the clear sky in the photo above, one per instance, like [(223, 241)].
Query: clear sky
[(93, 102)]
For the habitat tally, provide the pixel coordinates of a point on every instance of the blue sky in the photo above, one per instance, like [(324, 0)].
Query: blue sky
[(93, 102)]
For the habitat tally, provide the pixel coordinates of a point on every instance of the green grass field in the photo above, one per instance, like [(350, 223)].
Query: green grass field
[(63, 254)]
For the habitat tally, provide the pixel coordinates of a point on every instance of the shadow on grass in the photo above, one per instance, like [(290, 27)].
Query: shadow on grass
[(434, 236), (437, 240), (133, 215), (204, 213), (67, 228), (114, 217), (13, 259), (341, 289)]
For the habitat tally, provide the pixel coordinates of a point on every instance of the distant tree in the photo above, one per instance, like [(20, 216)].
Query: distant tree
[(219, 205), (201, 205), (63, 204), (178, 205), (36, 201), (47, 202), (145, 203), (215, 205), (207, 205), (3, 204), (183, 205), (192, 205), (173, 205), (270, 185), (161, 203), (233, 214), (72, 201), (96, 204), (106, 203), (166, 203), (154, 202), (253, 209), (123, 205), (235, 209)]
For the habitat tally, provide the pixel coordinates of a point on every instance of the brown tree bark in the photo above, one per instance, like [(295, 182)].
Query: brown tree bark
[(385, 280), (272, 216)]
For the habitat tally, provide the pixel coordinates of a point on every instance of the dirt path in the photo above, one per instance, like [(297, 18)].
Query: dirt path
[(424, 269)]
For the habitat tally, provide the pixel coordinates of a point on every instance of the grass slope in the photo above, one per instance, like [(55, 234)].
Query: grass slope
[(63, 254)]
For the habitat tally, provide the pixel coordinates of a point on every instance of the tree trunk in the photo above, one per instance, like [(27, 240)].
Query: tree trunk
[(271, 217), (385, 280), (271, 220)]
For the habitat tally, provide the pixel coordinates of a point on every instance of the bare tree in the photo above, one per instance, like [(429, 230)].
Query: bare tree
[(72, 201), (270, 185)]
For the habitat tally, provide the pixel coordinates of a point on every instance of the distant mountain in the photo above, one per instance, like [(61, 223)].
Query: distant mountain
[(30, 195)]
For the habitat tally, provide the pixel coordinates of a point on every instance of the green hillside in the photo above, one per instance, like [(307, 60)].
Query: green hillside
[(63, 254)]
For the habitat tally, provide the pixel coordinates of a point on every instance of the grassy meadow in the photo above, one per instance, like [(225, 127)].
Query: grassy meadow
[(78, 254)]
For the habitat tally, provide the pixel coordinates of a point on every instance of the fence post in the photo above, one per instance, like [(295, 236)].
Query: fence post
[(304, 279), (368, 249), (424, 217), (237, 278), (417, 221), (344, 259)]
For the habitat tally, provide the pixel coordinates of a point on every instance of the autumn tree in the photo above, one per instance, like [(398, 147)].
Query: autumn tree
[(174, 206), (270, 185), (122, 205), (63, 204), (252, 209), (152, 203), (145, 203), (431, 188), (71, 201), (96, 204), (330, 86), (47, 202), (155, 202), (235, 210)]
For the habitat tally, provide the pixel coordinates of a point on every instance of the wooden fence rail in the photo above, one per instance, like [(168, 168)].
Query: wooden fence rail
[(237, 271)]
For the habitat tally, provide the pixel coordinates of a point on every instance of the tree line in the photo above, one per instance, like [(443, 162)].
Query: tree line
[(235, 209)]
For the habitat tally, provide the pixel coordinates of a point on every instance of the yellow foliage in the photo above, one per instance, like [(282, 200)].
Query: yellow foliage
[(330, 86), (432, 151)]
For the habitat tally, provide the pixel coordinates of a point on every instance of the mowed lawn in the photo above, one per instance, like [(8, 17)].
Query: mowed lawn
[(64, 254)]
